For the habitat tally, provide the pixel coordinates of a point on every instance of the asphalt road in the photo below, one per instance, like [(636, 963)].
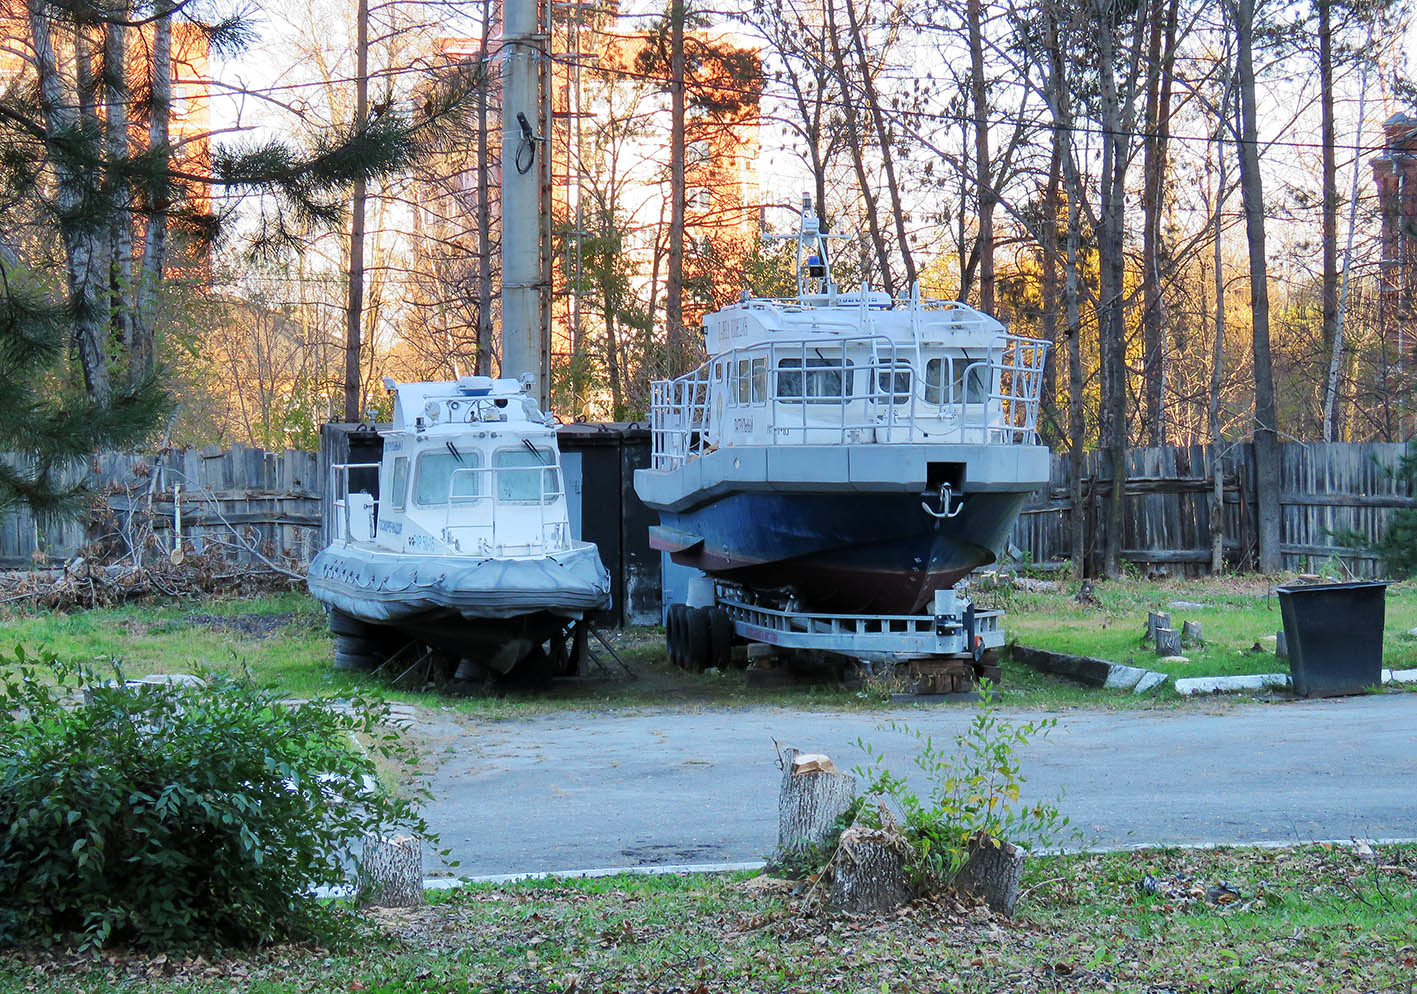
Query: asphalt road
[(579, 791)]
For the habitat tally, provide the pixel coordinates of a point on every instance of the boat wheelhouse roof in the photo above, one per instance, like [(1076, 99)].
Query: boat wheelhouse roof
[(755, 319), (467, 400)]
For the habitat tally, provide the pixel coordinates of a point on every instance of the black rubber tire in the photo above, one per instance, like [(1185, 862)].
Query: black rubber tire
[(356, 662), (344, 624), (674, 634), (697, 647), (720, 638)]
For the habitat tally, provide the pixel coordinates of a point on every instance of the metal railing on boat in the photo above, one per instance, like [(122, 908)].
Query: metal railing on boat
[(807, 392)]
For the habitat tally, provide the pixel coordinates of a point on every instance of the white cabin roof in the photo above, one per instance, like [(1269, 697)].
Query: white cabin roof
[(758, 319), (468, 400)]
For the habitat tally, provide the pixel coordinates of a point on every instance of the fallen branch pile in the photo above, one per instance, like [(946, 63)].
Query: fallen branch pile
[(88, 582)]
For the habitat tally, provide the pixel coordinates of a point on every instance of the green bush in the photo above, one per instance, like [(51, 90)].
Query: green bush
[(172, 817), (975, 793)]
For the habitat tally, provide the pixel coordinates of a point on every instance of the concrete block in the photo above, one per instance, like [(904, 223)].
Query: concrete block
[(1124, 677), (1229, 684), (1149, 682)]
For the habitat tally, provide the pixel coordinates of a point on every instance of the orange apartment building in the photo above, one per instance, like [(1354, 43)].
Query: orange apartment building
[(190, 125)]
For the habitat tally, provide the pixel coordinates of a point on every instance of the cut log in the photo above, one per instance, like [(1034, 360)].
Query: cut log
[(991, 872), (1155, 621), (1191, 633), (813, 795), (391, 872), (868, 872), (1168, 642)]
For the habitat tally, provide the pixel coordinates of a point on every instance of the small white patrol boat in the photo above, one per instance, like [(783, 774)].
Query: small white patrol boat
[(464, 542)]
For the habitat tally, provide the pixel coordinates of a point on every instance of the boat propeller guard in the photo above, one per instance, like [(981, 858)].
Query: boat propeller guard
[(944, 497)]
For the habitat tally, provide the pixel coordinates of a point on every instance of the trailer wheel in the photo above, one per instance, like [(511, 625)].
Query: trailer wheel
[(674, 634), (720, 638), (698, 648)]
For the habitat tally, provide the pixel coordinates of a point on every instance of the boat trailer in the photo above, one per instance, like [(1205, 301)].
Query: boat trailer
[(945, 651)]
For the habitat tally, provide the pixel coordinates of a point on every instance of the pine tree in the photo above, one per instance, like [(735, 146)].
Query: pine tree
[(98, 192)]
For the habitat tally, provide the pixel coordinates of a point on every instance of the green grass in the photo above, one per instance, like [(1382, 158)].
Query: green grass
[(1237, 614), (283, 640), (1308, 919)]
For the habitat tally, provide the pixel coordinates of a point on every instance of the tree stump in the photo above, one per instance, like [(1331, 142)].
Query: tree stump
[(868, 872), (1168, 642), (992, 872), (1191, 633), (813, 795), (1155, 621), (391, 872), (1281, 645)]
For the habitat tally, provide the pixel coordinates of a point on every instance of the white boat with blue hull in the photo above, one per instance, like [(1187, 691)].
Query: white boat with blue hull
[(845, 452), (466, 546)]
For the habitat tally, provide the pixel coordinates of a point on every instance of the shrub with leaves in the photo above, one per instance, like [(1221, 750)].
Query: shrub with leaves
[(171, 816), (975, 792)]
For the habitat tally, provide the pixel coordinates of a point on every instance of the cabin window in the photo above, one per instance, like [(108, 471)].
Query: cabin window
[(942, 374), (448, 476), (527, 476), (399, 488), (750, 381), (893, 383), (822, 382)]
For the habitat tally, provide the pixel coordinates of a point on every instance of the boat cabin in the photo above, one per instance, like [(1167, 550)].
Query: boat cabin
[(469, 468)]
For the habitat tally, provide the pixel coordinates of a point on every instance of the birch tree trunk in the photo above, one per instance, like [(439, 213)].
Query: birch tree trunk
[(85, 269)]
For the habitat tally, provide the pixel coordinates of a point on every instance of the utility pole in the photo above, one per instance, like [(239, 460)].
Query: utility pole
[(522, 142), (354, 311)]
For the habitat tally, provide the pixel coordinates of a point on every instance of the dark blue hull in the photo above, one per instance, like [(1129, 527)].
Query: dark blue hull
[(853, 553)]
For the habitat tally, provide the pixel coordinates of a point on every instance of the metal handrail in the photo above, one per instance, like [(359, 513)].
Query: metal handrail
[(687, 412), (339, 490)]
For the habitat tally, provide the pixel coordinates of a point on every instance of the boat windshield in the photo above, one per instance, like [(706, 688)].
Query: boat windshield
[(955, 380), (440, 481), (527, 475)]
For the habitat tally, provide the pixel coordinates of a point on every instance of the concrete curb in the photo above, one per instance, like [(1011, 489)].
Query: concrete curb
[(1089, 670), (452, 883), (1230, 684), (1264, 681)]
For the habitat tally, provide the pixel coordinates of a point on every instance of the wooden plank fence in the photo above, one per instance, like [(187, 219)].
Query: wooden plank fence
[(1325, 488), (275, 499), (234, 498)]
